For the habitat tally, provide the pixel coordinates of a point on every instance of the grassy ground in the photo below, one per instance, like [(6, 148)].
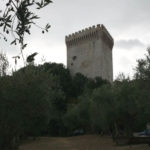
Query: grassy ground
[(86, 142)]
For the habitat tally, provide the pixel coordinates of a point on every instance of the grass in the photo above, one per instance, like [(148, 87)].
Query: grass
[(85, 142)]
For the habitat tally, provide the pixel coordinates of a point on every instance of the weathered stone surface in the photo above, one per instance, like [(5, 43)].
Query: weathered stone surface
[(90, 52)]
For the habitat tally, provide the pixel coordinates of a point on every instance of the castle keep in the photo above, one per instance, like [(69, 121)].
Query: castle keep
[(89, 52)]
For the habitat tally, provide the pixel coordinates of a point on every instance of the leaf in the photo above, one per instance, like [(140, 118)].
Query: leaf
[(7, 32), (34, 17), (47, 27), (13, 42), (8, 25), (39, 5), (1, 24), (4, 28), (27, 31), (24, 46), (30, 58), (8, 18)]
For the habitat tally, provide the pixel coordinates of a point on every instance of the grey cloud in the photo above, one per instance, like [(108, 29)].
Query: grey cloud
[(129, 44)]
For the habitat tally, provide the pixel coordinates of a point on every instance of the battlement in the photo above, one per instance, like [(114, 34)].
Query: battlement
[(87, 34)]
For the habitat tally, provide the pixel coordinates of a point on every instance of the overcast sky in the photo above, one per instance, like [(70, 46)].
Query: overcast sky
[(128, 21)]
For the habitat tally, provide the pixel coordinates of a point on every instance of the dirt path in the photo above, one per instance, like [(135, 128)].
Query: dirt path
[(86, 142)]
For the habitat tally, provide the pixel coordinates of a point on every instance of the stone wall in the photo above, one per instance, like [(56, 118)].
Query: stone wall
[(90, 52)]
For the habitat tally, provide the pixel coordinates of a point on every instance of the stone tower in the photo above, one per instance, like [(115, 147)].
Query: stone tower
[(89, 52)]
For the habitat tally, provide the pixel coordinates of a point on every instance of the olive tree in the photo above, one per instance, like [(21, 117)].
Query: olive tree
[(17, 19)]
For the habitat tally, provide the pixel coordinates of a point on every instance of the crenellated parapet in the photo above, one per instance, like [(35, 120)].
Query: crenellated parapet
[(89, 34)]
